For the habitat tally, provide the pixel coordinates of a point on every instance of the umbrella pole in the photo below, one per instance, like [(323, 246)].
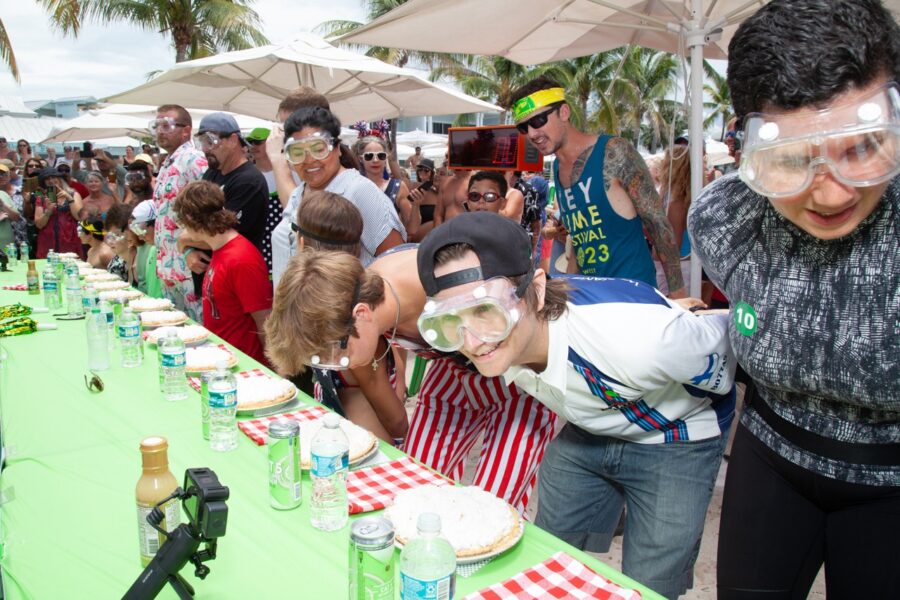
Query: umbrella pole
[(696, 40)]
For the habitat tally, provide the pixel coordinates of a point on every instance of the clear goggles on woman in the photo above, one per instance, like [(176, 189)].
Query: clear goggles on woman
[(318, 145), (113, 237), (135, 177), (859, 142), (489, 312)]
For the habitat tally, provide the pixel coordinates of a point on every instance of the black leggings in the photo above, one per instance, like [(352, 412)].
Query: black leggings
[(780, 522)]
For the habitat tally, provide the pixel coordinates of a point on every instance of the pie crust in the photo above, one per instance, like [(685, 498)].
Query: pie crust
[(145, 304), (475, 522), (119, 295), (189, 334), (258, 392), (98, 277), (158, 318), (362, 441), (102, 286)]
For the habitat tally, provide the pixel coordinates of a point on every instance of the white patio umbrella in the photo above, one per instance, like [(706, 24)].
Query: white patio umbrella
[(538, 31), (148, 112), (253, 82), (94, 125), (417, 137)]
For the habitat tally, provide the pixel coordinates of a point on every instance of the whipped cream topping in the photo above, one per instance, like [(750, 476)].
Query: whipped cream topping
[(361, 440), (253, 390), (143, 304), (470, 517)]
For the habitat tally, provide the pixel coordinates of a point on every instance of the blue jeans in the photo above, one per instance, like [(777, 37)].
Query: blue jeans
[(585, 480)]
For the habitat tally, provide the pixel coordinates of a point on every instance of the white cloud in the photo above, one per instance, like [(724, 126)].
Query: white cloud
[(107, 59)]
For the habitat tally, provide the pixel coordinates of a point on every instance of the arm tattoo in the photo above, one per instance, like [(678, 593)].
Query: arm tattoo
[(623, 162)]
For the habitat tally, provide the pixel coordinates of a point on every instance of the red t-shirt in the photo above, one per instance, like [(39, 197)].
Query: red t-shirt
[(237, 284)]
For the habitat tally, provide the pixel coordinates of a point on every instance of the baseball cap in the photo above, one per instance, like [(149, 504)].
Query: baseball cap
[(502, 247), (259, 134), (144, 211), (426, 163), (220, 122), (4, 168)]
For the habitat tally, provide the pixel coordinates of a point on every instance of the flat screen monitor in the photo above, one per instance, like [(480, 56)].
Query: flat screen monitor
[(492, 148)]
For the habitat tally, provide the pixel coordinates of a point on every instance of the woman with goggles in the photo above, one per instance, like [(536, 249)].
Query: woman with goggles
[(805, 244), (92, 234), (641, 381), (330, 312), (375, 160), (312, 146), (122, 261)]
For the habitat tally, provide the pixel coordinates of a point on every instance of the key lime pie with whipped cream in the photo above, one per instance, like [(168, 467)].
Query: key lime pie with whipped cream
[(475, 522)]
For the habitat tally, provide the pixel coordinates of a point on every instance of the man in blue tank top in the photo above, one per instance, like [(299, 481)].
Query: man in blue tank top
[(605, 192)]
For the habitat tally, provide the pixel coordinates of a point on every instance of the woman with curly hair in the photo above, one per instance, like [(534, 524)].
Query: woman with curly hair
[(237, 294)]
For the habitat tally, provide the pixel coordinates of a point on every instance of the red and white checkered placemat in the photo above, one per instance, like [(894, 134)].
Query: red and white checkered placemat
[(560, 576), (258, 429), (374, 488), (19, 287), (195, 381)]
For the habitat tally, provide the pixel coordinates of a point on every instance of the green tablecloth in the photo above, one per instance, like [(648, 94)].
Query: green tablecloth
[(67, 511)]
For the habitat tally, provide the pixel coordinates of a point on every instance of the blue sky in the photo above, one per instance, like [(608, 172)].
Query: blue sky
[(107, 59)]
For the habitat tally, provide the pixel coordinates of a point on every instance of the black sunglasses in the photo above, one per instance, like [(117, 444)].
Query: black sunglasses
[(537, 121), (94, 384), (370, 155), (256, 142), (487, 196)]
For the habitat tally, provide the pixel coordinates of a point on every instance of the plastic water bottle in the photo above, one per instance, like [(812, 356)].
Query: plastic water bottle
[(51, 287), (172, 380), (330, 457), (74, 298), (130, 338), (98, 341), (12, 254), (428, 563), (222, 390), (23, 250), (90, 299)]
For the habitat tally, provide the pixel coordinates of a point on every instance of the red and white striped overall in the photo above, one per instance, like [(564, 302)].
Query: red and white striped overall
[(456, 405)]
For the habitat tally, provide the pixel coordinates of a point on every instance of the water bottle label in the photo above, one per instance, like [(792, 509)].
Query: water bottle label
[(227, 399), (129, 331), (88, 302), (326, 466), (50, 286), (420, 589), (172, 359), (109, 318)]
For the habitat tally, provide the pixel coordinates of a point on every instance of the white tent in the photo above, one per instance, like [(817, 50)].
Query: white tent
[(147, 112), (417, 137), (254, 81), (94, 125)]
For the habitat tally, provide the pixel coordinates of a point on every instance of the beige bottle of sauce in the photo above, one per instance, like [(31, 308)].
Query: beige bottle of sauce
[(156, 483)]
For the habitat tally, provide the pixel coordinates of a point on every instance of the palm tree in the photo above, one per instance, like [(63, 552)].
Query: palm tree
[(651, 76), (394, 56), (198, 28), (64, 17), (490, 78), (594, 81), (720, 98)]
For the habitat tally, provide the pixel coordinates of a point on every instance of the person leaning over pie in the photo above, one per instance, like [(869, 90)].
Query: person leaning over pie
[(803, 241)]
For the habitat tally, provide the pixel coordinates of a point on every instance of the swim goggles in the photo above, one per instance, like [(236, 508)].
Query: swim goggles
[(859, 142), (489, 312), (318, 145)]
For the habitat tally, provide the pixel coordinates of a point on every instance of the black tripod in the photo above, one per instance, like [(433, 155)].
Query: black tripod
[(181, 546)]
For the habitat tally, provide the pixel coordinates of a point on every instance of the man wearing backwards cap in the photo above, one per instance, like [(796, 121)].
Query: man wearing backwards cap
[(645, 385), (245, 189), (606, 193)]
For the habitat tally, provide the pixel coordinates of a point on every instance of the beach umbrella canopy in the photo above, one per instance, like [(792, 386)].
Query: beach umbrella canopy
[(538, 31), (95, 125), (147, 112), (417, 137), (254, 81)]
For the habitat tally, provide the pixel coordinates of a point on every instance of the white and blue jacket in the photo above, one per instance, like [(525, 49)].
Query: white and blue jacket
[(625, 362)]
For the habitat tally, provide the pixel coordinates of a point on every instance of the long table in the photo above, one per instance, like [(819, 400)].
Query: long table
[(68, 524)]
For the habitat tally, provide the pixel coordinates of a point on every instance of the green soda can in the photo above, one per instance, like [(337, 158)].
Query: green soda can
[(205, 378), (372, 559), (284, 464)]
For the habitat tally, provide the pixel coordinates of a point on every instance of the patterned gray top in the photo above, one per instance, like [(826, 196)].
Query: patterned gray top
[(825, 353)]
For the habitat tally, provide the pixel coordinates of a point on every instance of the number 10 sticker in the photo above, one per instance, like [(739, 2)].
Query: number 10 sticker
[(744, 319)]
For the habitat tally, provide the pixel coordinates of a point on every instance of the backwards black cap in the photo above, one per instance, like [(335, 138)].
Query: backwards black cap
[(502, 247)]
